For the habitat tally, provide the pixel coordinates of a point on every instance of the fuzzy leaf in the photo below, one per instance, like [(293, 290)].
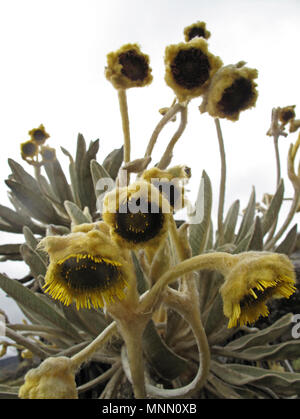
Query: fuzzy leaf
[(272, 212), (288, 244), (199, 232), (76, 215), (165, 362), (58, 181), (256, 242), (98, 172), (286, 383), (248, 218), (35, 303), (20, 175), (231, 221), (264, 336), (39, 207), (113, 162), (33, 260)]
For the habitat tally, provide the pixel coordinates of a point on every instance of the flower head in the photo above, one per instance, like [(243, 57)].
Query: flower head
[(196, 29), (48, 154), (52, 379), (255, 279), (287, 114), (138, 215), (39, 135), (128, 67), (189, 68), (29, 149), (231, 91), (85, 268)]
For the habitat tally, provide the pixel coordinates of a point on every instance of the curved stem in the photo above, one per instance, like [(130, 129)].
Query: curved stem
[(222, 183), (166, 118), (219, 261), (167, 156), (88, 351), (125, 123)]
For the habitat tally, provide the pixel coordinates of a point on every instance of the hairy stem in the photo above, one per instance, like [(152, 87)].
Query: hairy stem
[(167, 156), (89, 350), (222, 183), (166, 118), (125, 123)]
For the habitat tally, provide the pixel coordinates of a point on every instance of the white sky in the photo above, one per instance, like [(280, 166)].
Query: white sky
[(53, 54)]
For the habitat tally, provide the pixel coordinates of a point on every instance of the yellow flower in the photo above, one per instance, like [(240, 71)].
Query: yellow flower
[(196, 29), (138, 215), (39, 135), (255, 279), (29, 149), (231, 91), (128, 67), (48, 154), (85, 268), (286, 114), (54, 378), (189, 68)]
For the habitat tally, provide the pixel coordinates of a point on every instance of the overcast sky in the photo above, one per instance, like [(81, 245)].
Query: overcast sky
[(53, 54)]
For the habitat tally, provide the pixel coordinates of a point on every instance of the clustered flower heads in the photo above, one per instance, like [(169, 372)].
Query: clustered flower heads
[(123, 257)]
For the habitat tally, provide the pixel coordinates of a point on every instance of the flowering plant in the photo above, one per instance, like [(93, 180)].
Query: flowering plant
[(123, 299)]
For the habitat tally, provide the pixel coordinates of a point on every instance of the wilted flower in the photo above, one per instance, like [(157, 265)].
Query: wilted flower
[(189, 68), (255, 279), (196, 29), (286, 114), (52, 379), (138, 215), (85, 268), (39, 135), (294, 125), (231, 91), (29, 149), (128, 67)]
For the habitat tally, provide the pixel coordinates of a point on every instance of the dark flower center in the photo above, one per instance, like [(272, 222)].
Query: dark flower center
[(287, 115), (139, 226), (190, 68), (48, 155), (29, 149), (249, 299), (196, 31), (86, 272), (236, 97), (39, 136), (134, 66)]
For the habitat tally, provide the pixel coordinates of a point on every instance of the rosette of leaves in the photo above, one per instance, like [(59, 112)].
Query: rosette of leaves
[(246, 362)]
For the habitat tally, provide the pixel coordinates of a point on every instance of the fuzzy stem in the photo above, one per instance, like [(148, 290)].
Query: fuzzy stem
[(277, 156), (167, 156), (219, 261), (125, 123), (88, 351), (166, 118), (132, 335), (222, 183)]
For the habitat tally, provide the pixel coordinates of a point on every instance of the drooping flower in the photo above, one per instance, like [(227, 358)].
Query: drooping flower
[(189, 68), (194, 30), (256, 278), (29, 149), (39, 135), (231, 91), (85, 268), (128, 67), (54, 378), (138, 215)]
